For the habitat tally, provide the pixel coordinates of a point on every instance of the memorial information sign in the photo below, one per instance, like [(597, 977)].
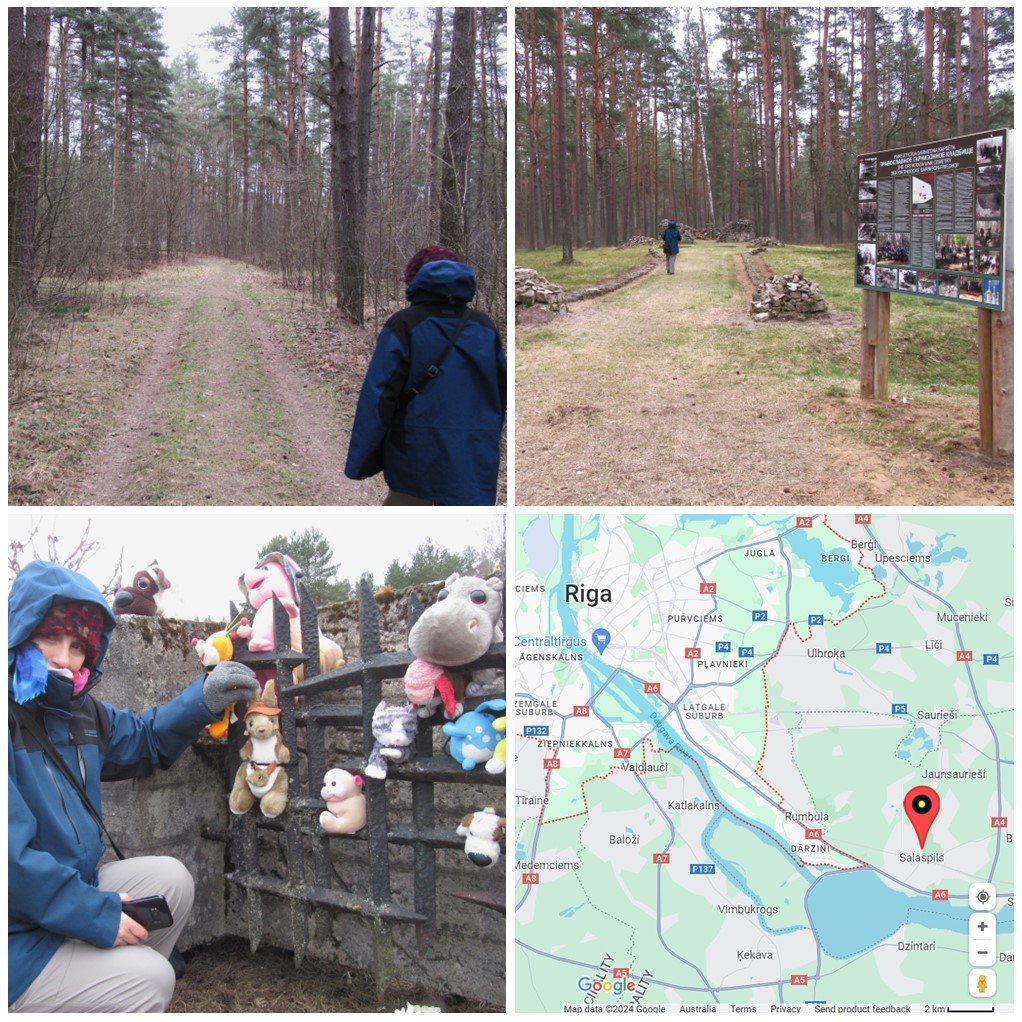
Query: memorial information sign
[(930, 219)]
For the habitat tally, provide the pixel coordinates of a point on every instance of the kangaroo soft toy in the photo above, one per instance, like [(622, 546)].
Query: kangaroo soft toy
[(455, 630), (261, 777), (345, 804)]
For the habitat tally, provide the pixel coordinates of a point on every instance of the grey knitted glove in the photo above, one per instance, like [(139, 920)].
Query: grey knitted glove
[(227, 683)]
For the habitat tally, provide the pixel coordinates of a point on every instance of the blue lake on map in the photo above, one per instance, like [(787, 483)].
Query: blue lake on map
[(540, 545), (839, 578), (855, 911)]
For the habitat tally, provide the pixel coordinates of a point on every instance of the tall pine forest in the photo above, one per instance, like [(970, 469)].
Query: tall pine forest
[(625, 116), (331, 147)]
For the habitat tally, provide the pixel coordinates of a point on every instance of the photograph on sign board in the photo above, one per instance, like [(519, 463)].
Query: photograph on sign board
[(868, 211), (947, 285), (988, 204), (990, 150), (867, 190), (970, 288), (990, 179), (988, 261), (893, 248), (868, 169), (988, 233), (927, 283), (908, 280), (868, 232), (992, 292), (866, 257), (955, 252), (887, 277)]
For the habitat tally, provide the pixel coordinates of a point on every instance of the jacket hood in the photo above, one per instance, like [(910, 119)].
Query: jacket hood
[(38, 586), (443, 281)]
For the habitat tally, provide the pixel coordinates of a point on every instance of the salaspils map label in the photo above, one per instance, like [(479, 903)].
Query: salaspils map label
[(933, 218), (781, 779)]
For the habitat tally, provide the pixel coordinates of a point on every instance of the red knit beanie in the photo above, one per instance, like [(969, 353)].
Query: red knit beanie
[(428, 255), (83, 621)]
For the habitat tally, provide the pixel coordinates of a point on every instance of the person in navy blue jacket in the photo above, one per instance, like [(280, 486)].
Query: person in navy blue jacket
[(70, 947), (433, 432)]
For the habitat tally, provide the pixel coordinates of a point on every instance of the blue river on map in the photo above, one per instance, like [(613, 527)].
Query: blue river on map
[(850, 911), (846, 927)]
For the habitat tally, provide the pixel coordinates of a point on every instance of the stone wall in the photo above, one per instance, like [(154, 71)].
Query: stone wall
[(183, 812)]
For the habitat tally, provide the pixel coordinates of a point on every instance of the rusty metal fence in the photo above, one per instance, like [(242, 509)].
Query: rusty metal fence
[(310, 883)]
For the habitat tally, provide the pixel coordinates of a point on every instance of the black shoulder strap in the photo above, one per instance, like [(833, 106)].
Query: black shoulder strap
[(434, 370), (27, 720)]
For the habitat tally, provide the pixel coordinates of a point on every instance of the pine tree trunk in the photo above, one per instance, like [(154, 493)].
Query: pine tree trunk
[(28, 34), (567, 241), (979, 100), (599, 219), (344, 160), (458, 134), (769, 151)]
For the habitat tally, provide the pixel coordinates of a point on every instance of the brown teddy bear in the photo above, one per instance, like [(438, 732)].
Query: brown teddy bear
[(261, 777)]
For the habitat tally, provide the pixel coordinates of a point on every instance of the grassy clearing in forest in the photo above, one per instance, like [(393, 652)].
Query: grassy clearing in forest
[(933, 343), (591, 265), (681, 397)]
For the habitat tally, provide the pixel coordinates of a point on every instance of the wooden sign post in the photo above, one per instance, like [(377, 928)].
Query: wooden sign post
[(876, 344)]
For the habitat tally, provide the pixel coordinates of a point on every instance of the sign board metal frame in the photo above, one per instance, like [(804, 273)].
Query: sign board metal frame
[(932, 219)]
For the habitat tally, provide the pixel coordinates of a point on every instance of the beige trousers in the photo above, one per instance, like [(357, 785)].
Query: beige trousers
[(85, 978)]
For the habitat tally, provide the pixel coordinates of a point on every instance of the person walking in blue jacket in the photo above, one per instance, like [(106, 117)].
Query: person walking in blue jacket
[(430, 414), (672, 239), (70, 947)]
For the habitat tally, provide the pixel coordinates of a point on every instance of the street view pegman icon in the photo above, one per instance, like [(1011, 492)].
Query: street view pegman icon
[(921, 806)]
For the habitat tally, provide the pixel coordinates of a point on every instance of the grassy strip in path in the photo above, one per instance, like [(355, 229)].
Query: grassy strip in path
[(591, 265), (82, 369), (222, 436)]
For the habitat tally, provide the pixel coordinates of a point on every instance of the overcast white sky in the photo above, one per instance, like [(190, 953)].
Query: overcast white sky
[(204, 552)]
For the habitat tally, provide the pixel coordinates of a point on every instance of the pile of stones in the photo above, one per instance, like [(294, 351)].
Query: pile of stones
[(737, 230), (639, 241), (758, 245), (791, 297), (533, 289)]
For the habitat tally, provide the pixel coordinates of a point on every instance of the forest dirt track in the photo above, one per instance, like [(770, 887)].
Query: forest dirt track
[(667, 393), (218, 411)]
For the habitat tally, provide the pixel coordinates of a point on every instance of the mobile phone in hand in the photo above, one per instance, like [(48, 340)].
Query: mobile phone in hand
[(153, 912)]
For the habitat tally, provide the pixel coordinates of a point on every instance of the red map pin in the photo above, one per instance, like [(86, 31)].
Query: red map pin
[(921, 807)]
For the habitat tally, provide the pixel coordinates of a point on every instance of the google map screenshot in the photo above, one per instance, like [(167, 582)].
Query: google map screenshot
[(764, 763)]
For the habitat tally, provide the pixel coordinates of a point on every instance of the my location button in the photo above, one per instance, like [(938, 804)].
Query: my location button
[(982, 897)]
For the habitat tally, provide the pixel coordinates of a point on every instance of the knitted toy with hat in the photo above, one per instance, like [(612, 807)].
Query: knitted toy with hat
[(82, 621), (261, 777), (455, 630)]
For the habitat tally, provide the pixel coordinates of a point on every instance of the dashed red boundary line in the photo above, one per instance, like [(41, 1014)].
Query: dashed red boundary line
[(766, 693)]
